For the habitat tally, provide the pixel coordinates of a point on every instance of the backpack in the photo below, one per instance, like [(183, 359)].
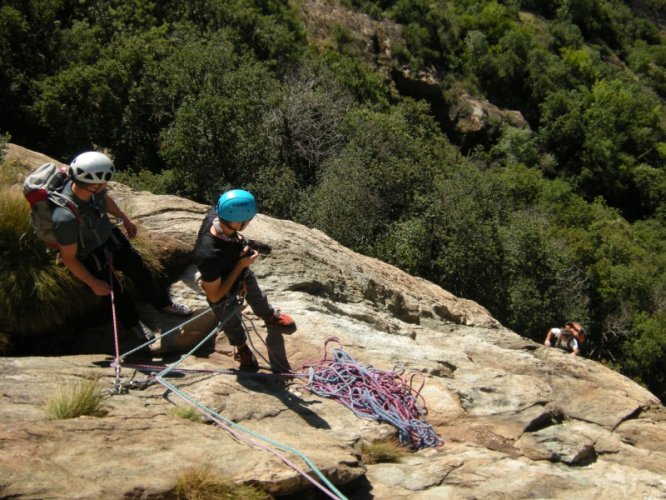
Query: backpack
[(42, 190)]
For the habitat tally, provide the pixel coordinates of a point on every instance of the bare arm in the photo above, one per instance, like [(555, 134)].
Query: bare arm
[(549, 335), (216, 290), (575, 350), (113, 208), (71, 261)]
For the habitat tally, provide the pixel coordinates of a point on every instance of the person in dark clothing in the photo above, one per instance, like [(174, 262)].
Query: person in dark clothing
[(223, 258), (89, 243)]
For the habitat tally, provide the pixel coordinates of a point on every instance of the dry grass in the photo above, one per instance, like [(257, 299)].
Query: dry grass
[(37, 296), (380, 452), (201, 484), (74, 400), (186, 412)]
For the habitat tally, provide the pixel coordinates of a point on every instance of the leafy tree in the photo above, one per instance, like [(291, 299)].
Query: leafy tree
[(621, 124), (562, 130), (649, 61), (30, 44), (221, 100), (82, 105), (516, 146), (378, 173), (269, 28), (645, 352), (542, 284)]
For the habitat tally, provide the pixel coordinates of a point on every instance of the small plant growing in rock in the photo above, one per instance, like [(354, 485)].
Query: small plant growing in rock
[(185, 412), (382, 452), (201, 484), (75, 399)]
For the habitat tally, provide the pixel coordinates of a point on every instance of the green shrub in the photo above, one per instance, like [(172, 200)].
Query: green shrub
[(145, 180), (4, 139), (35, 294), (74, 400), (201, 484)]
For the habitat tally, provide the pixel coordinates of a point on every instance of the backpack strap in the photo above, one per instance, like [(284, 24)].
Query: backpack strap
[(60, 200)]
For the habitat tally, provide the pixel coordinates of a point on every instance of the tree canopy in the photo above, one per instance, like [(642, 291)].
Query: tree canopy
[(561, 219)]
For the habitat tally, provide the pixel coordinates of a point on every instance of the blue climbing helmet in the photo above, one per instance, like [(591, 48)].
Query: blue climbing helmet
[(236, 205)]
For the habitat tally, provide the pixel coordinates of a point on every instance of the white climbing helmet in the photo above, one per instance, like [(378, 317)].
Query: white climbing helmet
[(92, 168)]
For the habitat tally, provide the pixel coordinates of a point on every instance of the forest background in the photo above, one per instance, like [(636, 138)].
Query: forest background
[(564, 219)]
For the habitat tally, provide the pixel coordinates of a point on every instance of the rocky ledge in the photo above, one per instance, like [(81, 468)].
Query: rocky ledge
[(518, 420)]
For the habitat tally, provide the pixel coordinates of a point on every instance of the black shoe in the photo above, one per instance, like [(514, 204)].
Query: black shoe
[(246, 358), (142, 332)]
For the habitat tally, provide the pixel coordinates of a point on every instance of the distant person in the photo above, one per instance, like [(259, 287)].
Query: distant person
[(570, 338), (223, 258), (88, 240)]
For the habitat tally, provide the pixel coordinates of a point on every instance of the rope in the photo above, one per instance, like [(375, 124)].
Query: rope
[(117, 383), (375, 395), (329, 489), (370, 393), (176, 328), (284, 370), (231, 427)]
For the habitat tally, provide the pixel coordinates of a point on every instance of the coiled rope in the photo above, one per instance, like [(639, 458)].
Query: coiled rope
[(375, 395)]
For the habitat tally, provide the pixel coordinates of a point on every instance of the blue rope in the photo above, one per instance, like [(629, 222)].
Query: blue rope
[(216, 416)]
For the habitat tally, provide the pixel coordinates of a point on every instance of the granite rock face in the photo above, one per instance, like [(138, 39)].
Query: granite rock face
[(518, 420)]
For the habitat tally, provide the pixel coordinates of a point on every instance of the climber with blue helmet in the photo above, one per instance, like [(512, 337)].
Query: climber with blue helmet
[(89, 243), (223, 257)]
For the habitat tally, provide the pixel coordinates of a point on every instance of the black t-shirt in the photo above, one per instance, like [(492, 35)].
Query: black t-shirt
[(215, 257)]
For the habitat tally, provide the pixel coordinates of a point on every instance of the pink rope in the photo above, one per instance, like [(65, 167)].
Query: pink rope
[(374, 394), (115, 323)]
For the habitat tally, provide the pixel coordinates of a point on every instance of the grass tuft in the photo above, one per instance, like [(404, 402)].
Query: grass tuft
[(201, 484), (379, 452), (74, 400), (36, 295), (186, 412)]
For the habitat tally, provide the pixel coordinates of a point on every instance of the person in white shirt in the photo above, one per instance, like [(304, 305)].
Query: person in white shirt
[(568, 338)]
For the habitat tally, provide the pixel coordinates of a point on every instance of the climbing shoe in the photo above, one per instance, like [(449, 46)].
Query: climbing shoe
[(246, 358), (142, 332), (281, 320), (177, 309)]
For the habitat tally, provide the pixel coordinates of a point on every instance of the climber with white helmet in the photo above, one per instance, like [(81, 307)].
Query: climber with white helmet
[(89, 243), (223, 257)]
